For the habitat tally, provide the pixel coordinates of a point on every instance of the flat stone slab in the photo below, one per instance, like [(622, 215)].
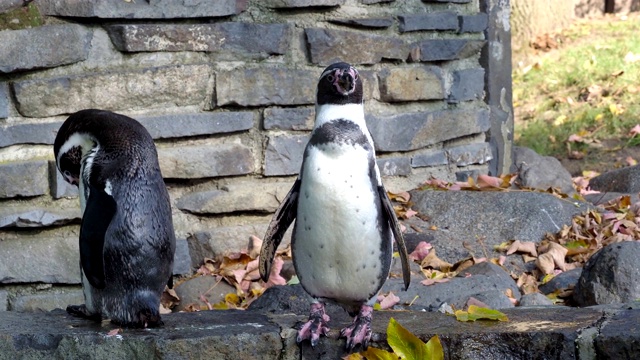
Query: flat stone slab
[(553, 332)]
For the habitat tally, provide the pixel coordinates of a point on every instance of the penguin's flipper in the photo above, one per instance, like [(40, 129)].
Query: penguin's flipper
[(97, 216), (390, 214), (280, 222)]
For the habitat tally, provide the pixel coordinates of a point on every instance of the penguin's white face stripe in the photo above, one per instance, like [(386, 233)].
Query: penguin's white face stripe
[(85, 141)]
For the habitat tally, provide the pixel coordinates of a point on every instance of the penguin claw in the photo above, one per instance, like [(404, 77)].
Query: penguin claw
[(315, 326), (359, 332)]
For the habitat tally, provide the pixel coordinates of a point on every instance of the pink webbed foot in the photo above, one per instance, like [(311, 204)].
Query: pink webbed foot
[(359, 332), (315, 326)]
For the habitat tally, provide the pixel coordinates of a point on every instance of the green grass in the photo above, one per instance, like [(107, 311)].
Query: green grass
[(552, 95)]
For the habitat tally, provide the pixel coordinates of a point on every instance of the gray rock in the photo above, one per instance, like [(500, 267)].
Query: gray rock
[(394, 166), (494, 299), (469, 154), (479, 220), (540, 172), (191, 291), (617, 339), (251, 334), (48, 260), (28, 216), (40, 133), (327, 46), (7, 6), (447, 1), (43, 47), (26, 178), (370, 2), (372, 23), (228, 40), (264, 86), (48, 301), (234, 197), (563, 281), (4, 104), (473, 23), (445, 49), (283, 155), (288, 118), (199, 161), (610, 276), (411, 131), (160, 87), (486, 281), (4, 302), (155, 9), (467, 84), (439, 20), (400, 84), (465, 175), (624, 180), (287, 4), (207, 123), (430, 158), (59, 187), (284, 300), (534, 299), (605, 197), (225, 240), (462, 155), (182, 258)]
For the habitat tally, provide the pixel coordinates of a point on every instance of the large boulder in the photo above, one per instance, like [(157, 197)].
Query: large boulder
[(625, 180), (610, 276), (540, 172)]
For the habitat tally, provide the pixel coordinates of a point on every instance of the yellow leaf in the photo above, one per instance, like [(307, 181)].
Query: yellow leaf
[(376, 354), (599, 117), (354, 356), (404, 343), (232, 298), (560, 120), (479, 313), (434, 348)]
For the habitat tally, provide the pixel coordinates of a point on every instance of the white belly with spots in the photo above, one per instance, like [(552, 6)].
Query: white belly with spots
[(337, 246)]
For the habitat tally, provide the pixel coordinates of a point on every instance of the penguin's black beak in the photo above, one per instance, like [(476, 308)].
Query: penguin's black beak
[(346, 81)]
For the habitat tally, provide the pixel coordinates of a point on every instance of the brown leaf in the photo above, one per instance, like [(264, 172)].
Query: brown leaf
[(432, 261), (255, 244), (528, 247), (545, 263), (114, 332), (274, 275)]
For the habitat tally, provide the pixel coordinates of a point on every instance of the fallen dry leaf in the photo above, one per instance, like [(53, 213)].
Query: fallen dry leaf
[(432, 261), (528, 247), (388, 301), (421, 251)]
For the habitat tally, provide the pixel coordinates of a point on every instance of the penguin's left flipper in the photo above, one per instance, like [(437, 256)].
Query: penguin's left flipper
[(390, 214), (99, 211), (281, 221)]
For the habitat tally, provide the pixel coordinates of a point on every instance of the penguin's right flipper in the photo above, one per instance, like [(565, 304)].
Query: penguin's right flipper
[(283, 217), (97, 216)]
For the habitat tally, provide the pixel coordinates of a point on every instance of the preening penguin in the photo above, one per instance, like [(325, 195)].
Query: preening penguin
[(127, 241), (342, 241)]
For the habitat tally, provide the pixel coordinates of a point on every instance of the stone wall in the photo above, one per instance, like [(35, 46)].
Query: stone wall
[(226, 88)]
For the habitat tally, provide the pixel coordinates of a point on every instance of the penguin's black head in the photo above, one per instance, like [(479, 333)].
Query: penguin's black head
[(339, 84)]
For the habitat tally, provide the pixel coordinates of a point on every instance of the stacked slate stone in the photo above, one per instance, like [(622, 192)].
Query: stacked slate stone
[(227, 89)]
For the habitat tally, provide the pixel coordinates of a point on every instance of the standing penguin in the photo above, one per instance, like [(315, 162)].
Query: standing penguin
[(342, 240), (127, 240)]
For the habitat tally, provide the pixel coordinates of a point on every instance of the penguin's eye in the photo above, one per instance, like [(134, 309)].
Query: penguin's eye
[(330, 78), (66, 173), (356, 77)]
